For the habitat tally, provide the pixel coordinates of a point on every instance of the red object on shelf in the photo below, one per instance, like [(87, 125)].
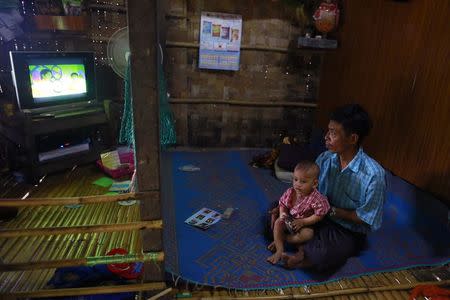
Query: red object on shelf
[(127, 159), (326, 17)]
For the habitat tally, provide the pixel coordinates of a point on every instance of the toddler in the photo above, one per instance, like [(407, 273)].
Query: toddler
[(300, 207)]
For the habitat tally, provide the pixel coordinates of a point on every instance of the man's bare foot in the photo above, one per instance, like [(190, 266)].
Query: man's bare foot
[(272, 247), (275, 258)]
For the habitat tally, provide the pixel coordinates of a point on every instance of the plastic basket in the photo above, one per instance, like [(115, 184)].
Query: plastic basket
[(125, 158)]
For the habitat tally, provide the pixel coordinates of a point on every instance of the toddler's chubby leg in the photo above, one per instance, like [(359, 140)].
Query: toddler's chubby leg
[(279, 237), (305, 234), (297, 260)]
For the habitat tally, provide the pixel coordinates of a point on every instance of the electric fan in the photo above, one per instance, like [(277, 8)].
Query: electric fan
[(118, 51)]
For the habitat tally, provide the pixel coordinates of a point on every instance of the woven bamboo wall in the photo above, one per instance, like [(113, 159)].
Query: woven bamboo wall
[(222, 125), (273, 72)]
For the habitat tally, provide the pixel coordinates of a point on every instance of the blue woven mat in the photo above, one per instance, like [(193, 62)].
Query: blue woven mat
[(232, 253)]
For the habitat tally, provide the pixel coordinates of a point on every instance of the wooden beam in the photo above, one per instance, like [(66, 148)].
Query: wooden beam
[(72, 200), (151, 240), (241, 102), (151, 206), (144, 47), (11, 233), (153, 271), (144, 68), (174, 44), (89, 261), (160, 294), (95, 290)]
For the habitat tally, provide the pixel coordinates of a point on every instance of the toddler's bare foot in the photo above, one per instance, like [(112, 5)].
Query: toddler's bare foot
[(275, 258), (272, 247)]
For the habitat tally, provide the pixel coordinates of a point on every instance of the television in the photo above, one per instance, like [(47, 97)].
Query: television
[(52, 81)]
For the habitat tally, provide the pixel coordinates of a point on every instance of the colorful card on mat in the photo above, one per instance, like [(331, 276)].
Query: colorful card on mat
[(204, 218), (120, 186)]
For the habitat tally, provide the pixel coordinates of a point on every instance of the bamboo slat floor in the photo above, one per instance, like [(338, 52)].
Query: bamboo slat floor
[(78, 182)]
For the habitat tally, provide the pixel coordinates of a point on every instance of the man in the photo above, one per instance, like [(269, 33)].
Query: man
[(356, 189)]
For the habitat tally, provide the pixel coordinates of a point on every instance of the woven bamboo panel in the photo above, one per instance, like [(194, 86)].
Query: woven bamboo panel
[(72, 246), (266, 74), (76, 182), (211, 125)]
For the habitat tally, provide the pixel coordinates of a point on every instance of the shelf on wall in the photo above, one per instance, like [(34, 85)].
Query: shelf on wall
[(61, 23), (270, 103), (57, 35), (174, 44), (316, 43)]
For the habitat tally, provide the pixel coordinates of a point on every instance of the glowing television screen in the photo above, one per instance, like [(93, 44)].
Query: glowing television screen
[(57, 80), (52, 80)]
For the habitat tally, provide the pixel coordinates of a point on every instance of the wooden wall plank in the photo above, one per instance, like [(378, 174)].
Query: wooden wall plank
[(151, 206), (394, 59), (143, 46)]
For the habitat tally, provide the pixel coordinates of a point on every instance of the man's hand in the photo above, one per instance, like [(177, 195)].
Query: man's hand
[(297, 224), (349, 215)]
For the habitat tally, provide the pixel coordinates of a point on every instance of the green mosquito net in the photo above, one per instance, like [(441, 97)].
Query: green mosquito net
[(167, 133)]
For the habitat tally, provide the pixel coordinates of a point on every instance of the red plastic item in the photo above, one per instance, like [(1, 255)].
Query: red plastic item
[(124, 270), (430, 291), (125, 158)]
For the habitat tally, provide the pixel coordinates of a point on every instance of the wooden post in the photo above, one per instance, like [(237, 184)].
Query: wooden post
[(142, 26)]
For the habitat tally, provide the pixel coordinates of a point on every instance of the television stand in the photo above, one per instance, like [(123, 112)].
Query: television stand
[(69, 112), (47, 143)]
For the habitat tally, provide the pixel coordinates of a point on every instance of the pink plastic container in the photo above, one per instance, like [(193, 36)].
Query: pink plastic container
[(125, 158)]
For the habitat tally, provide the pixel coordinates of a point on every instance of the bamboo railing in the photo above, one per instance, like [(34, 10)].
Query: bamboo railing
[(385, 286), (80, 229), (47, 235), (70, 200), (92, 290), (323, 294)]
